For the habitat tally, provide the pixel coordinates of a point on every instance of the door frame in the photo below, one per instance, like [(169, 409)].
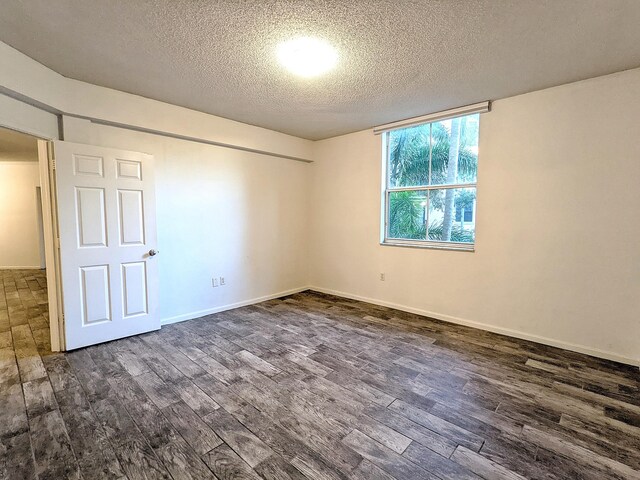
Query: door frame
[(49, 224), (46, 161)]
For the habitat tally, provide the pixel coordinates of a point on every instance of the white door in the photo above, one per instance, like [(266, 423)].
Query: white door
[(107, 225)]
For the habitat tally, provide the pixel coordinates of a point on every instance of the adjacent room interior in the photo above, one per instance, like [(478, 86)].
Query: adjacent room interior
[(22, 236), (320, 240)]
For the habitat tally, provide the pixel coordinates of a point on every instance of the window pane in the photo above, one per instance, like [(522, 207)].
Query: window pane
[(409, 156), (445, 224), (407, 215), (454, 158)]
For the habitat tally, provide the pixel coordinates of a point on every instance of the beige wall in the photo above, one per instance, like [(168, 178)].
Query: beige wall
[(557, 251), (20, 237)]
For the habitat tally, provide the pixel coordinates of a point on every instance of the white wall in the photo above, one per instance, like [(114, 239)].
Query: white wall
[(20, 237), (220, 212), (557, 251)]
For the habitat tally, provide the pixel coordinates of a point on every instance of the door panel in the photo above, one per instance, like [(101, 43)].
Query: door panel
[(129, 169), (134, 287), (92, 218), (96, 300), (86, 165), (106, 214), (131, 217)]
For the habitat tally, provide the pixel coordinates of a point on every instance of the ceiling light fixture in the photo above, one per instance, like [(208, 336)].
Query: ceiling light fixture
[(307, 56)]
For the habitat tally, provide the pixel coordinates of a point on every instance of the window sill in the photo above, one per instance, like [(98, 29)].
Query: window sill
[(434, 246)]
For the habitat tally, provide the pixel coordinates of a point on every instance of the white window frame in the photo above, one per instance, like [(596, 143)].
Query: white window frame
[(385, 130)]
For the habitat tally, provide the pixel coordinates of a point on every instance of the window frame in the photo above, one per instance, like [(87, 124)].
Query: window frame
[(385, 239)]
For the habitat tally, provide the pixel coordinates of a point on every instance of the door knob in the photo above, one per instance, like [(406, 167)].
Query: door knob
[(153, 253)]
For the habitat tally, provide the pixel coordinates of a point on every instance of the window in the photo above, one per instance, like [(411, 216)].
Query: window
[(430, 183), (463, 215)]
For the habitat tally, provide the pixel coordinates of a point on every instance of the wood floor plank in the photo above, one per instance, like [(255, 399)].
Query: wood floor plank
[(369, 471), (578, 453), (217, 370), (227, 465), (220, 393), (178, 359), (140, 462), (183, 462), (438, 425), (428, 438), (161, 393), (256, 362), (383, 434), (6, 340), (16, 458), (364, 390), (312, 467), (437, 464), (194, 396), (285, 444), (597, 398), (116, 421), (389, 461), (613, 434), (237, 436), (569, 468), (60, 372), (131, 362), (95, 385), (39, 397), (149, 420), (623, 416), (29, 361), (517, 455), (52, 450), (9, 374), (276, 468), (154, 359), (13, 414), (483, 466), (479, 421), (308, 364), (96, 458), (194, 430)]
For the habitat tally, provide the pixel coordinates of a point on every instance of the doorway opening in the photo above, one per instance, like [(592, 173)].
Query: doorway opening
[(28, 285)]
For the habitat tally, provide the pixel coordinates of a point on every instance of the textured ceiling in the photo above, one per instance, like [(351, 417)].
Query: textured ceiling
[(17, 146), (398, 58)]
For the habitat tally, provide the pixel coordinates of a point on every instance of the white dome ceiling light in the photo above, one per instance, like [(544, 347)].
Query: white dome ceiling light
[(307, 56)]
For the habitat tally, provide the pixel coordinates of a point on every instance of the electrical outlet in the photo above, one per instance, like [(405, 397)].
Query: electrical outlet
[(214, 282), (382, 277), (222, 281)]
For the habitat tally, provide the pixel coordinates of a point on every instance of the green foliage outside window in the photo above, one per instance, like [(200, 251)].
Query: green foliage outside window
[(437, 154)]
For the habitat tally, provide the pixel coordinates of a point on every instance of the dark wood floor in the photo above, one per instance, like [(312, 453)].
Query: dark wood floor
[(308, 386)]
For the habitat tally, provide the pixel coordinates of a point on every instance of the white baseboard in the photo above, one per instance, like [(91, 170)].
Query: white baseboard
[(30, 267), (231, 306), (490, 328)]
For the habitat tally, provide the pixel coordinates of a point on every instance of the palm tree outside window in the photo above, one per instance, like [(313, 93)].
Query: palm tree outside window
[(431, 172)]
